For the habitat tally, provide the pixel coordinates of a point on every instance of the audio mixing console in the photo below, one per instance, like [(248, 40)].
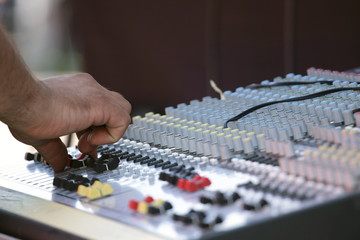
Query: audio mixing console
[(275, 152)]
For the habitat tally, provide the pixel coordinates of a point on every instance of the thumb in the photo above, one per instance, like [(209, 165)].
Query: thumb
[(54, 152)]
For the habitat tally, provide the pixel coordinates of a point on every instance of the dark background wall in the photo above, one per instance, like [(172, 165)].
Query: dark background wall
[(160, 53), (327, 34)]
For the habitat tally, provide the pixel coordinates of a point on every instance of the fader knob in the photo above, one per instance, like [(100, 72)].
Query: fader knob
[(283, 134), (29, 156), (297, 132), (319, 111), (337, 116), (289, 149), (248, 148), (205, 200), (273, 132), (357, 118), (295, 106), (342, 106), (58, 182), (328, 113), (218, 220), (235, 196), (303, 108), (237, 143), (311, 109), (220, 199), (261, 141), (348, 117)]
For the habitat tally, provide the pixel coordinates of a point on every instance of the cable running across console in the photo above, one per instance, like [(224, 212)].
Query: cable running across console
[(295, 99), (282, 84)]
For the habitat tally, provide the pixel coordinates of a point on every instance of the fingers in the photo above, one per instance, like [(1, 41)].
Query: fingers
[(84, 145), (92, 137), (123, 102), (55, 153), (109, 126), (99, 116), (106, 135)]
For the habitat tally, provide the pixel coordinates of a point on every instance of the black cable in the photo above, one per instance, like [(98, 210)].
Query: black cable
[(356, 110), (281, 84), (313, 95)]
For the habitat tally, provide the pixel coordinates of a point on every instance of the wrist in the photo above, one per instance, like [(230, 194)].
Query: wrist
[(19, 89), (20, 101)]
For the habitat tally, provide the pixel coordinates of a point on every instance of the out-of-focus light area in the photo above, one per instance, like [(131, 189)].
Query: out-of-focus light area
[(42, 35)]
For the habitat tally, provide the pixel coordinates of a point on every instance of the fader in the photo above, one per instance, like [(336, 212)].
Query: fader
[(214, 168)]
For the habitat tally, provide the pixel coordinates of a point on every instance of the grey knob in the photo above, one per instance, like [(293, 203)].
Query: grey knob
[(337, 116)]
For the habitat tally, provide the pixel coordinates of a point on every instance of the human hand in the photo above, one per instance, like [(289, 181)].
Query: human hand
[(65, 104)]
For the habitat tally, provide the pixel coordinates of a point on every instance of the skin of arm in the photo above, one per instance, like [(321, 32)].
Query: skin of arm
[(39, 112)]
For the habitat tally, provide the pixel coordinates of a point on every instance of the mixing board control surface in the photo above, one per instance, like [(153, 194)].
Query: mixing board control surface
[(184, 175)]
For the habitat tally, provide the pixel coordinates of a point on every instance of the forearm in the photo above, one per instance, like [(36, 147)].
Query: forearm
[(38, 112), (17, 85)]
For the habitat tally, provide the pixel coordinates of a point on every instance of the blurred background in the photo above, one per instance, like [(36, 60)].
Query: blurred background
[(160, 53)]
